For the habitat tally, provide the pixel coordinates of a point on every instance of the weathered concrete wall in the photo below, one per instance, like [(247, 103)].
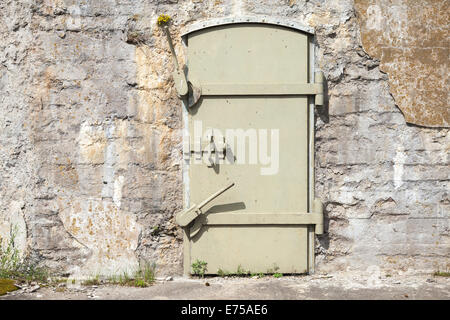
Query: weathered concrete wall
[(90, 136)]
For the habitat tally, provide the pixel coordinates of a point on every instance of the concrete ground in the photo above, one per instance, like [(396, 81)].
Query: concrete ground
[(325, 286)]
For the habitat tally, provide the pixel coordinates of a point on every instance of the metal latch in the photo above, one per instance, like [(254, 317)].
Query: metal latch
[(213, 144), (186, 216)]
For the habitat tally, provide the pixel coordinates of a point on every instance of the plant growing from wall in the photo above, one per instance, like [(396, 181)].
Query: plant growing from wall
[(222, 273), (442, 274), (163, 20), (277, 275), (9, 256), (135, 36), (259, 274), (240, 272), (199, 268), (13, 266)]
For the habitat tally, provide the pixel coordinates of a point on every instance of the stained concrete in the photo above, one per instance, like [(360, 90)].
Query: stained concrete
[(348, 286), (410, 38)]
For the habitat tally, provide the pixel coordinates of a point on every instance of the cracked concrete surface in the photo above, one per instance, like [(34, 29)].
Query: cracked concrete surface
[(344, 285)]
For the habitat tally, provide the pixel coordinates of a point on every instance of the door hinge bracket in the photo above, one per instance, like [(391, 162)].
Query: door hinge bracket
[(317, 208), (319, 81), (261, 89)]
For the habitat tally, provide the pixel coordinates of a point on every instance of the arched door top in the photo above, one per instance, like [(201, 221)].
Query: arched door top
[(245, 19)]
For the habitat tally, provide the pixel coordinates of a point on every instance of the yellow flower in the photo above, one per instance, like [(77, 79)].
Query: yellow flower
[(163, 19)]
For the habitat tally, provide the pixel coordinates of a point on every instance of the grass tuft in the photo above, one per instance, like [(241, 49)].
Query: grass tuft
[(442, 274), (143, 277), (240, 272), (13, 266), (199, 268), (92, 282), (277, 275)]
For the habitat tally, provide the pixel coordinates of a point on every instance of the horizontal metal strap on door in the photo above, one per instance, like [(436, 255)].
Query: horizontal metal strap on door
[(251, 89), (262, 218)]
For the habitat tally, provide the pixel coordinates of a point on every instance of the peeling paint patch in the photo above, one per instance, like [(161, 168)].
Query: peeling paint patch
[(110, 233), (411, 40)]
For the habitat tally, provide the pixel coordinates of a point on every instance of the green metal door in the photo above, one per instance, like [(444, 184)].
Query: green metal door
[(251, 128)]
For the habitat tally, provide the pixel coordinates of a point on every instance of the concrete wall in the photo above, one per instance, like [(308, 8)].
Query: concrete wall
[(90, 131)]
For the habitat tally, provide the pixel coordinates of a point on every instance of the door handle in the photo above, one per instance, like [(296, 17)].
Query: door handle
[(183, 218)]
